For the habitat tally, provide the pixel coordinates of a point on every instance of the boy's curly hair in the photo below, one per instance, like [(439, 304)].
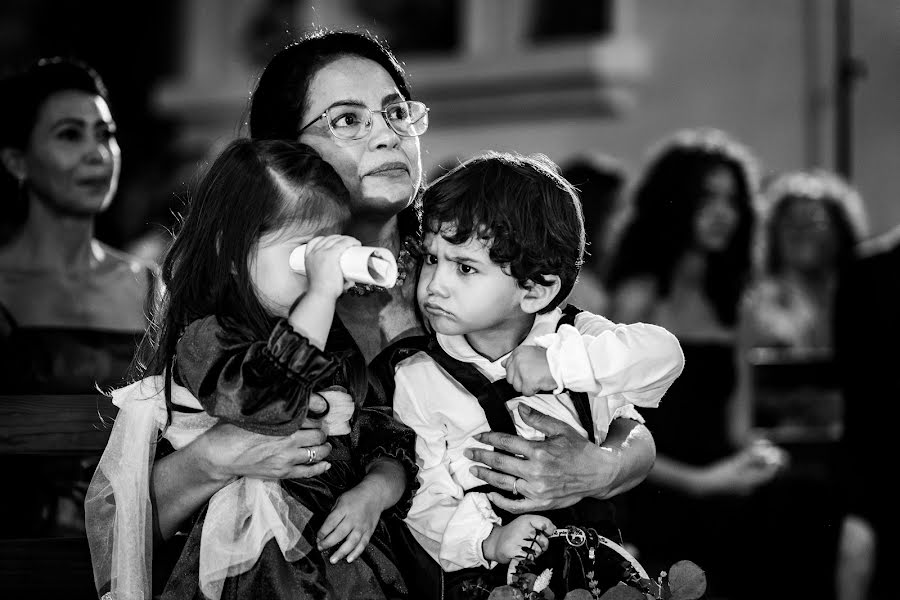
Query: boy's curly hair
[(527, 214)]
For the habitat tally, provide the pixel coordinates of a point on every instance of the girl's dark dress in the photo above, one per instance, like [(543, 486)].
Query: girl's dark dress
[(264, 386)]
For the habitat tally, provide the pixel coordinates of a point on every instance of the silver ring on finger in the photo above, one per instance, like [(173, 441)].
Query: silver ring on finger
[(310, 455), (515, 489)]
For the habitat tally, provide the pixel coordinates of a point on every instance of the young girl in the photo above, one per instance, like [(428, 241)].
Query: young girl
[(243, 339)]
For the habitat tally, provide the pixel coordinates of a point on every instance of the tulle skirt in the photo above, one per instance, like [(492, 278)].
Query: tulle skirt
[(374, 575)]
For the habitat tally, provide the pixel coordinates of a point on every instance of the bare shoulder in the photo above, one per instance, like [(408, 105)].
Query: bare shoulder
[(113, 260)]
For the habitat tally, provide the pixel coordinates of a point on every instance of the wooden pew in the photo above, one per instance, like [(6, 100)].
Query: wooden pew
[(51, 425)]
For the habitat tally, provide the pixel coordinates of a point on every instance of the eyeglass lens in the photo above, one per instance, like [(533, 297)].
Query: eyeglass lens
[(353, 122)]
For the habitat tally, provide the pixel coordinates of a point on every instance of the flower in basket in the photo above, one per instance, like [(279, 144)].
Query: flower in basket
[(527, 581)]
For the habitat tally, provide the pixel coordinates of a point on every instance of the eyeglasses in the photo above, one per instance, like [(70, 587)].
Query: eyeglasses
[(351, 122)]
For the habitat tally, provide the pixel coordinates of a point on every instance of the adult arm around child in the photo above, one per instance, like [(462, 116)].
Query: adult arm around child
[(565, 467), (184, 481)]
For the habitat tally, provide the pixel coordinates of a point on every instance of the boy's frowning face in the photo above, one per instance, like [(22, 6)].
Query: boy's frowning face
[(462, 292)]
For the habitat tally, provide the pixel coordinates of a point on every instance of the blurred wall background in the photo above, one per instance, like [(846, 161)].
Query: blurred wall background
[(562, 77)]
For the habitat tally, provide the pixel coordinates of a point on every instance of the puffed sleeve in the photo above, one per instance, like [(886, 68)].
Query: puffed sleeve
[(377, 435), (261, 386)]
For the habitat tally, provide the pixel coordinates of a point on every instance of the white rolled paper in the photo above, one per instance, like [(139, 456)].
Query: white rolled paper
[(360, 264)]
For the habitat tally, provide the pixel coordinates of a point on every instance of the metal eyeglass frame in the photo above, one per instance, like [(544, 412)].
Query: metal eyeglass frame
[(367, 128)]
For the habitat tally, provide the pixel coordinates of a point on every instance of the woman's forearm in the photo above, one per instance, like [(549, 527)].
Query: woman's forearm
[(674, 475), (180, 484), (636, 449)]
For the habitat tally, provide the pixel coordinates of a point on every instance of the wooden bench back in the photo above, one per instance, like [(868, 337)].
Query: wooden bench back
[(51, 425)]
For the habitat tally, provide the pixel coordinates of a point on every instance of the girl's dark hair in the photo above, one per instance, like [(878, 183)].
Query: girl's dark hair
[(842, 202), (527, 213), (253, 187), (22, 95), (281, 95), (660, 227)]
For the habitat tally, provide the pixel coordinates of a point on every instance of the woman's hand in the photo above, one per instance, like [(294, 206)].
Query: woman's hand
[(232, 452), (740, 473), (563, 468), (185, 480)]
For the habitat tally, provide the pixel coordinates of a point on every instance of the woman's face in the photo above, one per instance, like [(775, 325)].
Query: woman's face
[(717, 213), (382, 170), (805, 235), (73, 159)]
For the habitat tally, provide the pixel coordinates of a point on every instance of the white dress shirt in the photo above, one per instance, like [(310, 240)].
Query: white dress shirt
[(619, 366)]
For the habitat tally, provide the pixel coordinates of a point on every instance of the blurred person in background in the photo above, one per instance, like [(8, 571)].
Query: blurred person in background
[(682, 262), (811, 223), (867, 327), (72, 309), (599, 180)]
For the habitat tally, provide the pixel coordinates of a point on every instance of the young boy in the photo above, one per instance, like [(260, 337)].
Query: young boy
[(504, 239)]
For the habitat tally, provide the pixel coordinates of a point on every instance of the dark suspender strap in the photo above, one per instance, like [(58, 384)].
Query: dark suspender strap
[(381, 369), (583, 409), (492, 396), (579, 399), (569, 314)]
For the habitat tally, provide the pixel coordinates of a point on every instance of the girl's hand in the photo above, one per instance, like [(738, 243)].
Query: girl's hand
[(232, 452), (352, 521), (507, 542), (323, 264), (528, 371)]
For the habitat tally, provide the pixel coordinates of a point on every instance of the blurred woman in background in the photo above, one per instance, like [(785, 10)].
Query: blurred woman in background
[(682, 262), (811, 223), (72, 309)]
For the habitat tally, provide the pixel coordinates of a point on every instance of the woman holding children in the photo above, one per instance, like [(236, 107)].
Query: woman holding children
[(345, 96)]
